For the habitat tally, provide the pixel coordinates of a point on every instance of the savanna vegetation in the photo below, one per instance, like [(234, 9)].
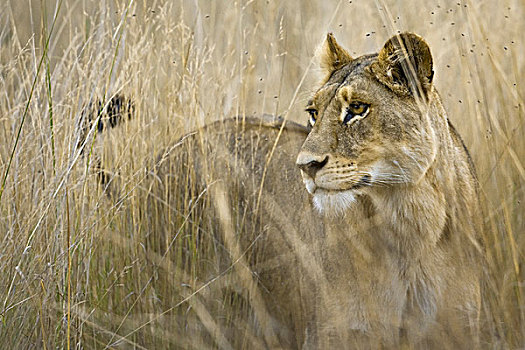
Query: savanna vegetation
[(93, 255)]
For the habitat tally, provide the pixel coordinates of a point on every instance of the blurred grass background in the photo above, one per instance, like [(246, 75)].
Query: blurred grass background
[(71, 267)]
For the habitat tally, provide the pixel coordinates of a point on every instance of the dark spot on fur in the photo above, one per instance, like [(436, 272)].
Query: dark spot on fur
[(364, 181), (368, 206), (445, 234)]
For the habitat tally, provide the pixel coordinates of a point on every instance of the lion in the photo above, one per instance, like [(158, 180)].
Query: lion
[(359, 230), (382, 147)]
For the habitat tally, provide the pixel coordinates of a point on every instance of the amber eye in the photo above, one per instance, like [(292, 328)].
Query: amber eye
[(313, 115), (354, 110)]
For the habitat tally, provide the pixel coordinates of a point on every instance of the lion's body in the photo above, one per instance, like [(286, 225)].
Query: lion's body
[(381, 140), (383, 251), (362, 279), (245, 205)]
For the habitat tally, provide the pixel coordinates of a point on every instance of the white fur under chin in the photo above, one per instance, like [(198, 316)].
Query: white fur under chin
[(333, 203)]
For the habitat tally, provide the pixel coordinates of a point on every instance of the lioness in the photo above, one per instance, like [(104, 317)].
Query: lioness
[(380, 249), (383, 154)]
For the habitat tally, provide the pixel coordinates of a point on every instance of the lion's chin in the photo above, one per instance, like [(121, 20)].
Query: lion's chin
[(333, 203)]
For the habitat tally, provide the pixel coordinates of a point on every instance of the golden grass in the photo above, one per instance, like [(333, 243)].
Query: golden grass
[(79, 270)]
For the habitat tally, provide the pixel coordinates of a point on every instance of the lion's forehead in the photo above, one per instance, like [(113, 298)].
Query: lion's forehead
[(351, 74), (353, 69)]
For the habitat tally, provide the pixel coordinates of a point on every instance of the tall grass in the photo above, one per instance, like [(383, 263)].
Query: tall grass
[(82, 269)]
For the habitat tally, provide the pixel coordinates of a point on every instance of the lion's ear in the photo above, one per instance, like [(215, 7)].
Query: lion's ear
[(404, 64), (334, 56)]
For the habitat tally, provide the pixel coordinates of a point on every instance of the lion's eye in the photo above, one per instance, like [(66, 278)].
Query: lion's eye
[(355, 111), (313, 115)]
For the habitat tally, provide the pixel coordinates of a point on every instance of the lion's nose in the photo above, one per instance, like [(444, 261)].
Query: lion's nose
[(310, 163)]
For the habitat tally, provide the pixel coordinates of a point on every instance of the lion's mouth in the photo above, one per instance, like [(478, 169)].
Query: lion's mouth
[(313, 188), (364, 181)]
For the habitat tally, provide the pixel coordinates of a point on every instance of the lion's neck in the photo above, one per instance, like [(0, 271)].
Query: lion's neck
[(412, 221)]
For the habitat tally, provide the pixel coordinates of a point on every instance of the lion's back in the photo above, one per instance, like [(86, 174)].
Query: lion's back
[(233, 194)]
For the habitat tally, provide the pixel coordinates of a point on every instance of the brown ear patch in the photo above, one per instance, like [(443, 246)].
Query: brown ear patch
[(404, 64), (334, 56)]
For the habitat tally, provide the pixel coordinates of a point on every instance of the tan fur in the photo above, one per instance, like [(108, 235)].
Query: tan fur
[(408, 169), (389, 257)]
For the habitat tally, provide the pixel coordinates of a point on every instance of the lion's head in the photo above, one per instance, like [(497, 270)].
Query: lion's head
[(371, 122)]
